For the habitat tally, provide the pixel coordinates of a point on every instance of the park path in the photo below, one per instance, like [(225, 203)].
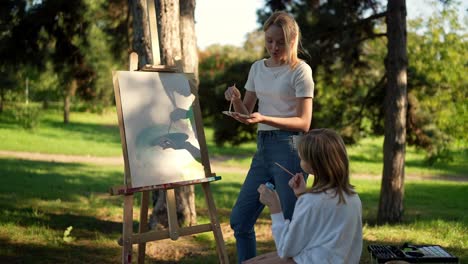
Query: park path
[(217, 164)]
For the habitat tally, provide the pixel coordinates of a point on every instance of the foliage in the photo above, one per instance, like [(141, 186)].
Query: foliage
[(219, 68), (60, 44), (67, 238), (27, 115), (437, 65), (107, 49)]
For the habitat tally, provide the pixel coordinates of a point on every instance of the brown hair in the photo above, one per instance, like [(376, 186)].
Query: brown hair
[(291, 31), (325, 152)]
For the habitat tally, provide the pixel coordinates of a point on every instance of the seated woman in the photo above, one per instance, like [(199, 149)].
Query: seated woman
[(326, 226)]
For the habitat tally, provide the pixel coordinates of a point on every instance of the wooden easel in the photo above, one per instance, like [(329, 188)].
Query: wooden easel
[(173, 231)]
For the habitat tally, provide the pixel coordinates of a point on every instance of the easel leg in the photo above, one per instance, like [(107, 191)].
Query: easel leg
[(172, 214), (143, 225), (127, 229), (218, 235)]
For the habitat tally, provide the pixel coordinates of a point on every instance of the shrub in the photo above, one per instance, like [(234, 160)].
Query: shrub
[(27, 115)]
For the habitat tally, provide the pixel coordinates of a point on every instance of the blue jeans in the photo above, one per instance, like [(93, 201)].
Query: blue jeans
[(272, 146)]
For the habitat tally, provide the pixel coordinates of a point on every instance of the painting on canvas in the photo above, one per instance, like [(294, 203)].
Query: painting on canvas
[(157, 117)]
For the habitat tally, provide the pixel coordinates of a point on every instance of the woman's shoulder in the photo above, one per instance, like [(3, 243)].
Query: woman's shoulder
[(302, 66), (258, 65), (259, 62), (315, 197)]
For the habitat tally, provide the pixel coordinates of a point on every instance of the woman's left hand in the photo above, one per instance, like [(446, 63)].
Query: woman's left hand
[(253, 118), (269, 198)]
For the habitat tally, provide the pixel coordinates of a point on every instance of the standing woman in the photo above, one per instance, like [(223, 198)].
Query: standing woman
[(284, 88)]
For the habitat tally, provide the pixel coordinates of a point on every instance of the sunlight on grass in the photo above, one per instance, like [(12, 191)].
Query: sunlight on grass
[(86, 134), (41, 217), (40, 200), (92, 134)]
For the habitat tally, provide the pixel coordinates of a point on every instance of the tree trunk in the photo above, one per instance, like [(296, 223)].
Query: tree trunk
[(395, 102), (141, 32), (69, 93), (168, 13), (2, 98), (188, 41), (66, 109), (168, 16), (188, 38)]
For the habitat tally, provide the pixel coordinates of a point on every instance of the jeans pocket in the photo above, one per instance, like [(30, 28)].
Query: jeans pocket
[(293, 141)]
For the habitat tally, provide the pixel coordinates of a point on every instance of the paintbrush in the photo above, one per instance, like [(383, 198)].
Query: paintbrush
[(286, 170), (230, 104)]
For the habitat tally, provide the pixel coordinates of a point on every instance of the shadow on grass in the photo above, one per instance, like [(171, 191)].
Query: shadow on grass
[(34, 193), (41, 199), (84, 226), (423, 200), (65, 253), (428, 205), (26, 186), (25, 179)]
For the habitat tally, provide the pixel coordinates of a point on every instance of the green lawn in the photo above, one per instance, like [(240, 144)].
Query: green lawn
[(41, 200), (98, 135), (86, 134)]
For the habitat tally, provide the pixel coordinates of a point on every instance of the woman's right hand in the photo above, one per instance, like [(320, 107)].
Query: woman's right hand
[(232, 93), (297, 183)]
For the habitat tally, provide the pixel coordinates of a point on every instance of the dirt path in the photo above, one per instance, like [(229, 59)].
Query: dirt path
[(216, 164)]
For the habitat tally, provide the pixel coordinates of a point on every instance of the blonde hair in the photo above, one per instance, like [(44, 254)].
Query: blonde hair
[(324, 150), (291, 31)]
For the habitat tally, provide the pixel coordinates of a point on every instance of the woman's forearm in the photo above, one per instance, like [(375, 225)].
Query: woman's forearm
[(300, 124)]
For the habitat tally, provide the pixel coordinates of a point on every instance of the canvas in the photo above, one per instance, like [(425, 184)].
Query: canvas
[(155, 113)]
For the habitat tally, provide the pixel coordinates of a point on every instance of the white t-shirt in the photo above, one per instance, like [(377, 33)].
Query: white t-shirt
[(321, 231), (278, 87)]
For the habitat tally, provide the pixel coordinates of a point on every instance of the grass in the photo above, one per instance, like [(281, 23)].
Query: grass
[(33, 218), (41, 200), (366, 157), (98, 135), (86, 134)]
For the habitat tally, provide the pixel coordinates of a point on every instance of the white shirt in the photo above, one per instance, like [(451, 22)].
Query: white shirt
[(278, 87), (321, 231)]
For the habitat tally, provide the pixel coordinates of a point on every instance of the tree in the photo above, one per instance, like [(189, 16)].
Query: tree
[(177, 41), (222, 66), (437, 70), (395, 103), (176, 28), (42, 31), (141, 32)]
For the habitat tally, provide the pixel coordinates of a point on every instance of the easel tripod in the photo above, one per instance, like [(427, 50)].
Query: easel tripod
[(173, 231)]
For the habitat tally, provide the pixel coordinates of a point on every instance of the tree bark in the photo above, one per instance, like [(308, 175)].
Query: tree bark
[(69, 93), (141, 32), (2, 98), (188, 38), (168, 16), (66, 109), (395, 103), (170, 26), (188, 41)]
